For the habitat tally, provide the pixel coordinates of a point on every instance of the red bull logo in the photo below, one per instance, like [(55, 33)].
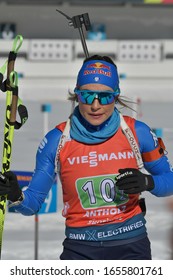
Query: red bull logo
[(98, 65), (99, 68)]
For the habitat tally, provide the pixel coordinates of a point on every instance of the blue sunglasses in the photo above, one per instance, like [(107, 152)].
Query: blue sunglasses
[(105, 97)]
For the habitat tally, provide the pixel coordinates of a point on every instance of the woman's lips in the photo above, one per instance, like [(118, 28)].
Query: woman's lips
[(96, 116)]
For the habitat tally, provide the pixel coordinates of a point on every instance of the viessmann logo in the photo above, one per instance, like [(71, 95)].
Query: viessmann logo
[(93, 158)]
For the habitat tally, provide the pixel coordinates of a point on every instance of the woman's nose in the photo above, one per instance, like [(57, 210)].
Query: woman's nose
[(95, 105)]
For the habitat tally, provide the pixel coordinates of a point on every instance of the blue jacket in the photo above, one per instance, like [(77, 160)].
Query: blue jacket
[(44, 173)]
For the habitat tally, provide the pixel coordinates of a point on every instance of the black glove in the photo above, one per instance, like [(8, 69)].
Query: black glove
[(132, 181), (9, 186)]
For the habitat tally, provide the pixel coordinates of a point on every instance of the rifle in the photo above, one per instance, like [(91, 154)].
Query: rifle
[(77, 22)]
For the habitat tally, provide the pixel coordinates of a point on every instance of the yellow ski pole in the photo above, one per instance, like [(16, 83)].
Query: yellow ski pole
[(10, 119)]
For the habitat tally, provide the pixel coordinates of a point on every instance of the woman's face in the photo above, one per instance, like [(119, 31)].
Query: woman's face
[(96, 113)]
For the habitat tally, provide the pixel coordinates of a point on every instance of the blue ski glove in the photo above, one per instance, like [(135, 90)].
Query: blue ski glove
[(9, 186), (133, 181)]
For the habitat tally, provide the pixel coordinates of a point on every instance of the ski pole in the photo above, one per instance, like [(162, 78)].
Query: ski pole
[(77, 22), (12, 103)]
